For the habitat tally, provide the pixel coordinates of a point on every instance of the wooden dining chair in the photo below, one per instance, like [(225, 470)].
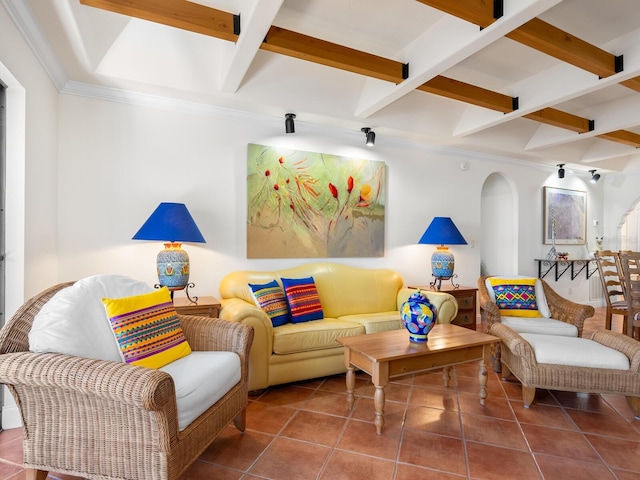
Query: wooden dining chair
[(630, 262), (608, 263)]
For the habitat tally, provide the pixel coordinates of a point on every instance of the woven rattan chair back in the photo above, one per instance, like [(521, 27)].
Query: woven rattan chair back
[(610, 276)]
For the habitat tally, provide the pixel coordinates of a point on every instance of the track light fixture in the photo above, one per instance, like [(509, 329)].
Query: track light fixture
[(561, 170), (371, 136), (594, 176), (289, 126)]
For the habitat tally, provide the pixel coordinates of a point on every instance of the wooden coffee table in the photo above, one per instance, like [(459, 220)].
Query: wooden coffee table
[(390, 354)]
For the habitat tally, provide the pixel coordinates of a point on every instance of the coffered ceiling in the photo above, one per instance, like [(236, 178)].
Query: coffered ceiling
[(546, 81)]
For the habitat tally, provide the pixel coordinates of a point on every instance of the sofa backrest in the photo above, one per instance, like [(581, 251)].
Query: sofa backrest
[(343, 289)]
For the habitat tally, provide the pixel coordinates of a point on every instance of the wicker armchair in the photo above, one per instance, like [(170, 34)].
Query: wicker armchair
[(108, 420), (561, 309)]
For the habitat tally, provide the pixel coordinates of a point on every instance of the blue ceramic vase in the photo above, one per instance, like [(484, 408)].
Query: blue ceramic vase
[(418, 316)]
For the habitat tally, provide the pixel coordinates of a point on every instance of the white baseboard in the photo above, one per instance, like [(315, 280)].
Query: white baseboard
[(11, 417)]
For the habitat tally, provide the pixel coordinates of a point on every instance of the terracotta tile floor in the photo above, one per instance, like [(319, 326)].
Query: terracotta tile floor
[(303, 431)]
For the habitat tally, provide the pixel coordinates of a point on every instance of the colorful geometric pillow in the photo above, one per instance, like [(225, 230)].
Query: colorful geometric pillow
[(303, 299), (270, 298), (147, 328), (516, 297)]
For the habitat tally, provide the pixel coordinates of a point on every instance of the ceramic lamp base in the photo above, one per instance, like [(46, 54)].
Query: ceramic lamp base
[(173, 267), (442, 263)]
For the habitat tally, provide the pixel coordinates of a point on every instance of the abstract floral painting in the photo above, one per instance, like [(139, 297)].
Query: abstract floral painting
[(313, 205)]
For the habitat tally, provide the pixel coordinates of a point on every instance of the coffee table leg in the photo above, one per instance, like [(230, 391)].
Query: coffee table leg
[(351, 384), (378, 402), (445, 375), (482, 377)]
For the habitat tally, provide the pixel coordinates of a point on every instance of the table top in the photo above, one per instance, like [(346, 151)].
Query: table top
[(393, 345), (202, 302)]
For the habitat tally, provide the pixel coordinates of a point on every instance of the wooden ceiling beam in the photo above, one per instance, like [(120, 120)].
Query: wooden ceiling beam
[(622, 136), (464, 92), (293, 44), (478, 12), (176, 13), (548, 39), (632, 83), (558, 118)]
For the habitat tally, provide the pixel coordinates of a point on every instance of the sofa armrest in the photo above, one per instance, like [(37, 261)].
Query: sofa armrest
[(237, 310), (488, 308), (446, 304)]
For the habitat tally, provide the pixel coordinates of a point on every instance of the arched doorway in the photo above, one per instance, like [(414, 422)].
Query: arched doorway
[(499, 226), (629, 231)]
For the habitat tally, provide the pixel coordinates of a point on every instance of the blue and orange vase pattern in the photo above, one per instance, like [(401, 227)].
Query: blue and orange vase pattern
[(173, 267), (418, 316)]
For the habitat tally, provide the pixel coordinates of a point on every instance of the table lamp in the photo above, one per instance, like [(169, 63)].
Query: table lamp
[(172, 223), (442, 231)]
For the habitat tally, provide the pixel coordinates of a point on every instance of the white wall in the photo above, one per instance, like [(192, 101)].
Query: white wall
[(118, 160)]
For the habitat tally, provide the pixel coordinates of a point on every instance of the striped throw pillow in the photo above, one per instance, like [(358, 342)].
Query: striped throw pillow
[(302, 297), (270, 298), (147, 329)]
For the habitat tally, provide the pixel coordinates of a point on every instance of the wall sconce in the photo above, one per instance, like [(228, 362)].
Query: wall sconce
[(442, 231), (561, 170), (371, 136), (594, 176), (289, 126), (172, 223)]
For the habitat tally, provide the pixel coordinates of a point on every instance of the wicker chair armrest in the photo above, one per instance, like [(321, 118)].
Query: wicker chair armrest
[(514, 342), (566, 310), (488, 306), (213, 334), (144, 388), (623, 343)]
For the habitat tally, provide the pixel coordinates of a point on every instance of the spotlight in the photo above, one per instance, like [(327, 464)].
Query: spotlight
[(594, 176), (289, 126), (561, 170), (371, 136)]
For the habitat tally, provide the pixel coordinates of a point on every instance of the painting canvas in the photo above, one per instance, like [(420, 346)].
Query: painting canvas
[(565, 216), (313, 205)]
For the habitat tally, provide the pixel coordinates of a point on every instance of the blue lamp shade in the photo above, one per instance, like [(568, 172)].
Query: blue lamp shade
[(442, 231), (171, 223)]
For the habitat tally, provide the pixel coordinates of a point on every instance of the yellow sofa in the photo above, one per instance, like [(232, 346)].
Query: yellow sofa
[(354, 301)]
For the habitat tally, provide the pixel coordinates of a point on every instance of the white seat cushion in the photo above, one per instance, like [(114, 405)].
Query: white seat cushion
[(575, 352), (74, 321), (201, 379), (540, 325)]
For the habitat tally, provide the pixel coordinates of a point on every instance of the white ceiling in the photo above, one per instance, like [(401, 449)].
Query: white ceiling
[(82, 45)]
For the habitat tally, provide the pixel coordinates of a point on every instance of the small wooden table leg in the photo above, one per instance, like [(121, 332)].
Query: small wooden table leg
[(445, 375), (482, 376), (378, 402), (351, 384)]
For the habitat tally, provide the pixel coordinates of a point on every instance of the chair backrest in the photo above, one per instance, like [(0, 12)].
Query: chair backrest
[(14, 336), (608, 263), (630, 262)]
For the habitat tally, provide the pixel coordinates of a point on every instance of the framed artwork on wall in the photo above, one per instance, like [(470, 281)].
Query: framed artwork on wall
[(565, 216), (313, 205)]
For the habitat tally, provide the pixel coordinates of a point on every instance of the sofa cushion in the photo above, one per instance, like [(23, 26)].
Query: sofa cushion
[(147, 328), (312, 335), (74, 322), (201, 379), (270, 298), (575, 352), (302, 297), (376, 322), (541, 325)]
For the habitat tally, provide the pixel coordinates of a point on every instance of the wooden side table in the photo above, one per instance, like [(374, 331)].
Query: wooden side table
[(205, 306), (466, 298)]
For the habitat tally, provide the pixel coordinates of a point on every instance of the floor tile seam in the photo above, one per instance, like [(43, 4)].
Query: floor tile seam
[(9, 462)]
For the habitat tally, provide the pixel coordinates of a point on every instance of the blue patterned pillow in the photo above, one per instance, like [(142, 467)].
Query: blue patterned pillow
[(303, 299), (270, 298)]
